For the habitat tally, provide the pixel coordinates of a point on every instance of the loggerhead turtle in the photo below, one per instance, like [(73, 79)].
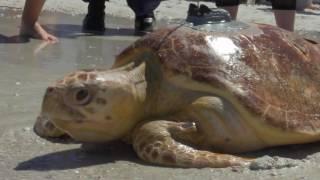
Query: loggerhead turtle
[(191, 98)]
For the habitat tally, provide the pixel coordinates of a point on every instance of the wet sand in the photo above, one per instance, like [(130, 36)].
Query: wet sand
[(28, 66)]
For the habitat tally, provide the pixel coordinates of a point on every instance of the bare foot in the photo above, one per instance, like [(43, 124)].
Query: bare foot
[(38, 32), (314, 7)]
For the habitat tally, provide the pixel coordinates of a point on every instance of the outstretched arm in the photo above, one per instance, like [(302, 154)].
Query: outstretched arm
[(29, 23)]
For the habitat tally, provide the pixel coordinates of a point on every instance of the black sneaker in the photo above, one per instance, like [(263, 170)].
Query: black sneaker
[(144, 24), (94, 20)]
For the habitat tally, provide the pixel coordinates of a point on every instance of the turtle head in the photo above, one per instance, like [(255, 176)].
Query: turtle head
[(89, 106)]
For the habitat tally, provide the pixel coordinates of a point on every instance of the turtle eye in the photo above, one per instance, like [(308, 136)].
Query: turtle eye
[(81, 96)]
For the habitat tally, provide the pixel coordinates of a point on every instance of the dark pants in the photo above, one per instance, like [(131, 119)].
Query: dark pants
[(140, 7), (276, 4), (284, 4), (143, 7)]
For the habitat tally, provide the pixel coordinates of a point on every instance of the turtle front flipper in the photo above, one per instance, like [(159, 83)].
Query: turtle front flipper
[(172, 144)]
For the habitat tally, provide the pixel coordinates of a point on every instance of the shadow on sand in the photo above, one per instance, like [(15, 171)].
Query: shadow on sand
[(13, 39), (77, 158), (70, 31), (297, 152), (74, 31)]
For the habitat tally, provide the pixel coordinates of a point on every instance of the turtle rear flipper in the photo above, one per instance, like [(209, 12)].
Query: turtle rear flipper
[(157, 142)]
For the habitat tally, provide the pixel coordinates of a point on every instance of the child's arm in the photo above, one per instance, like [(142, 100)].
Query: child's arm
[(29, 23)]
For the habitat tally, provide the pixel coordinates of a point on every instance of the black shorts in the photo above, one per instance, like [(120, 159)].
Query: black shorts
[(276, 4), (89, 0), (284, 4), (220, 3)]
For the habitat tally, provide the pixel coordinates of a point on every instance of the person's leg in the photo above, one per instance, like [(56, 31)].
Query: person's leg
[(231, 6), (94, 20), (29, 21), (284, 12), (144, 14)]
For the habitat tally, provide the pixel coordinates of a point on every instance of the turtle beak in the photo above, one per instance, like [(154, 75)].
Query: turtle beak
[(45, 129), (64, 139)]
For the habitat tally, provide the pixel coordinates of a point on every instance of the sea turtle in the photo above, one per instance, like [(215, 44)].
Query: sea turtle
[(193, 97)]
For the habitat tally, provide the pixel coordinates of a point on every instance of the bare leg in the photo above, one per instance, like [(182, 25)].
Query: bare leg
[(233, 10), (29, 23), (285, 19)]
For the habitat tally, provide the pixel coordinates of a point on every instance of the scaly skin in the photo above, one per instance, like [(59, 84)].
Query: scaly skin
[(154, 142)]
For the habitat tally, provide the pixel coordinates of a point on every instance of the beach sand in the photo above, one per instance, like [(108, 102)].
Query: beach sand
[(28, 66)]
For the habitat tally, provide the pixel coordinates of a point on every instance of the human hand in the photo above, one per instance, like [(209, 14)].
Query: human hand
[(36, 31)]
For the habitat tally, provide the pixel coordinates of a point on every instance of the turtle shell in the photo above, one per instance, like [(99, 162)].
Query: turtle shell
[(274, 73)]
